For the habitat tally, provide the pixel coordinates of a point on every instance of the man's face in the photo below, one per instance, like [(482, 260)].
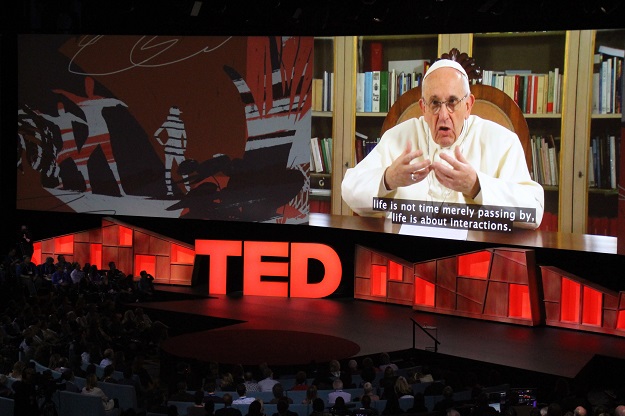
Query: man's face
[(442, 85)]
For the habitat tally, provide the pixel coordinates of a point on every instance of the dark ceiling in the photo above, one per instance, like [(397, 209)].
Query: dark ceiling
[(322, 17)]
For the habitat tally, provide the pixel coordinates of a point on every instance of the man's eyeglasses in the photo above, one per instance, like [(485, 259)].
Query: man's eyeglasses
[(435, 105)]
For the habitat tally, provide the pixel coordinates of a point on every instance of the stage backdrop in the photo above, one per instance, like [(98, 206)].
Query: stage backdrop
[(189, 127)]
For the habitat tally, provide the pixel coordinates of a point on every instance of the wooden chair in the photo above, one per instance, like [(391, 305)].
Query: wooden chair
[(490, 103)]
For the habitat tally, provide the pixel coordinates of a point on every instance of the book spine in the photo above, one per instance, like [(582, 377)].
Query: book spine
[(368, 91), (375, 56), (360, 92), (384, 91), (375, 92), (550, 92)]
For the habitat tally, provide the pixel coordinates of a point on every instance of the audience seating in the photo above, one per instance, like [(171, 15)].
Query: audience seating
[(6, 406), (124, 393), (77, 404), (265, 396)]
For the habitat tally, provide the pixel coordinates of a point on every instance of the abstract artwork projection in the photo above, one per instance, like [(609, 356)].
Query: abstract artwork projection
[(185, 127)]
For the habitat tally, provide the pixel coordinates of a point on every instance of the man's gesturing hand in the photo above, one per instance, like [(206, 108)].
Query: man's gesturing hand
[(403, 172), (460, 176)]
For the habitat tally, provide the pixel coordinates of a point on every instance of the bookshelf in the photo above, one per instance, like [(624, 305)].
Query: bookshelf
[(536, 53), (595, 204), (572, 204)]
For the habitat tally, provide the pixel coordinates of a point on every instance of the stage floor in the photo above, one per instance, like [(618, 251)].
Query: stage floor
[(377, 327)]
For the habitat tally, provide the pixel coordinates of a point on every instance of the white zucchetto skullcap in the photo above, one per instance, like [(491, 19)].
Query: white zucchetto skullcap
[(446, 63)]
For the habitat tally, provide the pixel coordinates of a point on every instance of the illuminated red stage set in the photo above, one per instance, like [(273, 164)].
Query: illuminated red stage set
[(493, 305)]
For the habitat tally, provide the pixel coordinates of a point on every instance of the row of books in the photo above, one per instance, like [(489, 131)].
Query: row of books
[(321, 154), (549, 222), (364, 145), (322, 92), (603, 161), (377, 90), (545, 152), (602, 226), (534, 93), (607, 78)]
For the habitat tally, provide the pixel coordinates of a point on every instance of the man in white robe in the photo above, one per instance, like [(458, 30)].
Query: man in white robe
[(445, 156)]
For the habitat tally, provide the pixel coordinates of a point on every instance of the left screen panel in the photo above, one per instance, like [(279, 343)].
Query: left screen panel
[(214, 128)]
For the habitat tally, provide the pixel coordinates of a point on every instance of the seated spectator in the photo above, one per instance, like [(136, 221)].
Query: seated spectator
[(5, 391), (198, 407), (301, 381), (368, 390), (339, 408), (107, 357), (385, 361), (392, 405), (255, 409), (365, 408), (447, 402), (243, 398), (283, 408), (403, 389), (68, 381), (319, 408), (182, 395), (418, 404), (338, 392), (209, 392), (91, 388), (109, 374), (278, 394), (311, 394), (228, 410), (227, 382)]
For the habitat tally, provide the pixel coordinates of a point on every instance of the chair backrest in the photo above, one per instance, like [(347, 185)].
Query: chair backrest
[(490, 103), (77, 404)]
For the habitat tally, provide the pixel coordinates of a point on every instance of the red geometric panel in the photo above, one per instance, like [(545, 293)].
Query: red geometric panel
[(426, 271), (609, 318), (570, 301), (95, 255), (362, 287), (147, 263), (378, 280), (81, 237), (163, 269), (446, 273), (552, 284), (124, 259), (181, 274), (468, 306), (82, 252), (47, 246), (95, 235), (399, 292), (473, 289), (64, 245), (159, 247), (395, 271), (552, 311), (517, 256), (497, 300), (424, 292), (445, 299), (182, 255), (362, 262), (142, 243), (110, 235), (519, 302), (125, 236), (591, 310), (109, 254), (36, 257), (474, 264), (377, 258), (610, 301), (620, 320), (506, 270)]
